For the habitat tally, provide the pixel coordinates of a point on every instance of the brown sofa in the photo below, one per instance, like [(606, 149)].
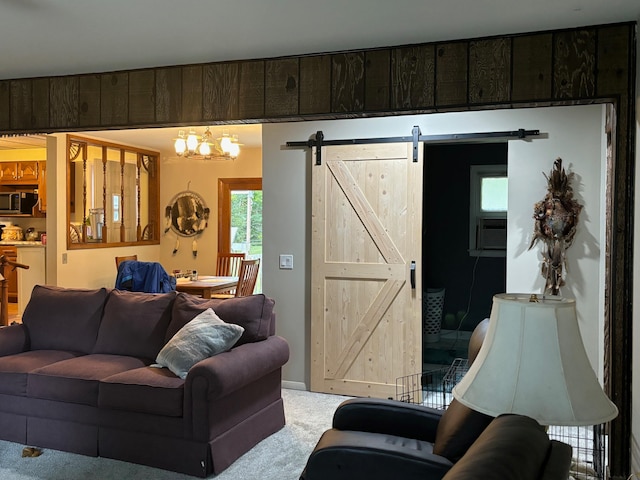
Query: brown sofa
[(76, 376)]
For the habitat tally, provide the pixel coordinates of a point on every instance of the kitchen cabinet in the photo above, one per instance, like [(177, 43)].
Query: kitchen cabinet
[(11, 275), (19, 173), (8, 171), (23, 176)]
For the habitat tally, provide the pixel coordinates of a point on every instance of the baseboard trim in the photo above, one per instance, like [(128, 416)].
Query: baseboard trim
[(294, 385)]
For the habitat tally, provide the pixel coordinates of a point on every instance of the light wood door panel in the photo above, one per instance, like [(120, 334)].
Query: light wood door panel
[(366, 221)]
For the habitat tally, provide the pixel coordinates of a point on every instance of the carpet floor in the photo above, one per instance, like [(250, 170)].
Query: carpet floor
[(282, 456)]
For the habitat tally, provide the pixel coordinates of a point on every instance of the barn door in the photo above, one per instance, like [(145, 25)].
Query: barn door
[(366, 268)]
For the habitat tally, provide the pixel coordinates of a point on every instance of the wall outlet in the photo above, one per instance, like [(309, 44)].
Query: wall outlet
[(286, 262)]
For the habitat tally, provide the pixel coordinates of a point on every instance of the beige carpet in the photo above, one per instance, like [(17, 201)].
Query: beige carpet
[(282, 456)]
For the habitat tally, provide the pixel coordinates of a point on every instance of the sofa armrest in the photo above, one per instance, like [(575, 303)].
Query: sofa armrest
[(229, 371), (389, 417), (13, 339)]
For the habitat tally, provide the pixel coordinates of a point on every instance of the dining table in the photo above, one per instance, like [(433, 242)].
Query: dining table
[(206, 285)]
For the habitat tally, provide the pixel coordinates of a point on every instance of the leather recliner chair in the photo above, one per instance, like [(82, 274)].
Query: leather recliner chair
[(382, 439), (385, 439)]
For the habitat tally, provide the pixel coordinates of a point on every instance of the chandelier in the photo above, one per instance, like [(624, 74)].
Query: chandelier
[(192, 145)]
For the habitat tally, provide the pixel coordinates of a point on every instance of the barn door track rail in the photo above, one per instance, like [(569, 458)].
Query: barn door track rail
[(416, 137)]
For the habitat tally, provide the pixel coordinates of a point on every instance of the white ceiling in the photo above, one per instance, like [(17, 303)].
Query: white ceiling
[(153, 138), (47, 38), (249, 135)]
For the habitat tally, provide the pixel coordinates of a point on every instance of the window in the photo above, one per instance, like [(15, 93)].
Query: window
[(488, 210), (116, 208), (493, 194)]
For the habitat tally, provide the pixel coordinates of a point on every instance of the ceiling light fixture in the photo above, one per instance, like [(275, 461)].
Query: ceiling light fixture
[(192, 145)]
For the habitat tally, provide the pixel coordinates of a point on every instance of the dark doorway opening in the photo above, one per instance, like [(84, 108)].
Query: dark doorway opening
[(469, 281)]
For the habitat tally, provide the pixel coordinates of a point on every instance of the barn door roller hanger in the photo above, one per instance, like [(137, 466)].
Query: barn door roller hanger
[(318, 141)]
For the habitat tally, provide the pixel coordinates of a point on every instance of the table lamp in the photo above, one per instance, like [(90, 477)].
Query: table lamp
[(533, 362)]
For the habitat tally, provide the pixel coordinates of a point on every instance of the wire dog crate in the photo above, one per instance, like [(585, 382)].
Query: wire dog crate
[(432, 388), (589, 449)]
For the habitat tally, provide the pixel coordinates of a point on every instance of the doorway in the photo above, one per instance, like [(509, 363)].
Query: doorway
[(462, 280), (240, 219)]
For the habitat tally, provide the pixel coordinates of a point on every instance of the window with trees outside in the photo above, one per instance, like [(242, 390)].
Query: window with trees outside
[(240, 220)]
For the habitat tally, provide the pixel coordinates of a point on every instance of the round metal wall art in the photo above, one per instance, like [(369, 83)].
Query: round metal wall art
[(187, 214)]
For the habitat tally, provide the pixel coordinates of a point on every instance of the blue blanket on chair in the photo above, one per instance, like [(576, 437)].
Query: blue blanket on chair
[(149, 277)]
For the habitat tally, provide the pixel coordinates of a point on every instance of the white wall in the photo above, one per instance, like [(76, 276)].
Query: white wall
[(576, 135), (286, 186)]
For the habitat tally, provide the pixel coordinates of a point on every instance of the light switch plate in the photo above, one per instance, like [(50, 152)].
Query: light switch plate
[(286, 262)]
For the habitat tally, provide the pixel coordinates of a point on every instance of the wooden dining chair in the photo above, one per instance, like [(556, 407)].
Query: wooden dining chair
[(75, 233), (228, 264), (246, 280), (119, 260)]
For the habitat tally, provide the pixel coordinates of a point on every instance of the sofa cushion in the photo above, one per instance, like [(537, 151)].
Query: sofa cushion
[(64, 318), (146, 390), (76, 380), (253, 313), (134, 323), (204, 336), (14, 368)]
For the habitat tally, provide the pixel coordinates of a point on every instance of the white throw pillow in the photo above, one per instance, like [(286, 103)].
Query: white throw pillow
[(204, 336)]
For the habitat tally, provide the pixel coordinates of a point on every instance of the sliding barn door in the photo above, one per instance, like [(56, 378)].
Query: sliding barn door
[(366, 301)]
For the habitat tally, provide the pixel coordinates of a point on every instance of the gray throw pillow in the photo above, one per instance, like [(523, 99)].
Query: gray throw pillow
[(204, 336)]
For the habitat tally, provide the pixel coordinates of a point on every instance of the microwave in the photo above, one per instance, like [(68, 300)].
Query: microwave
[(12, 203)]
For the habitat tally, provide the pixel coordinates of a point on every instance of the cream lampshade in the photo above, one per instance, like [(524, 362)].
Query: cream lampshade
[(533, 362)]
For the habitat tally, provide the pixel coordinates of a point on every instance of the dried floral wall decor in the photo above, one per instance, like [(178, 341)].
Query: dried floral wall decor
[(555, 221)]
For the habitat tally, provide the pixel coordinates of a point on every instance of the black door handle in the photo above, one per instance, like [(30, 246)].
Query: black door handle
[(413, 275)]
